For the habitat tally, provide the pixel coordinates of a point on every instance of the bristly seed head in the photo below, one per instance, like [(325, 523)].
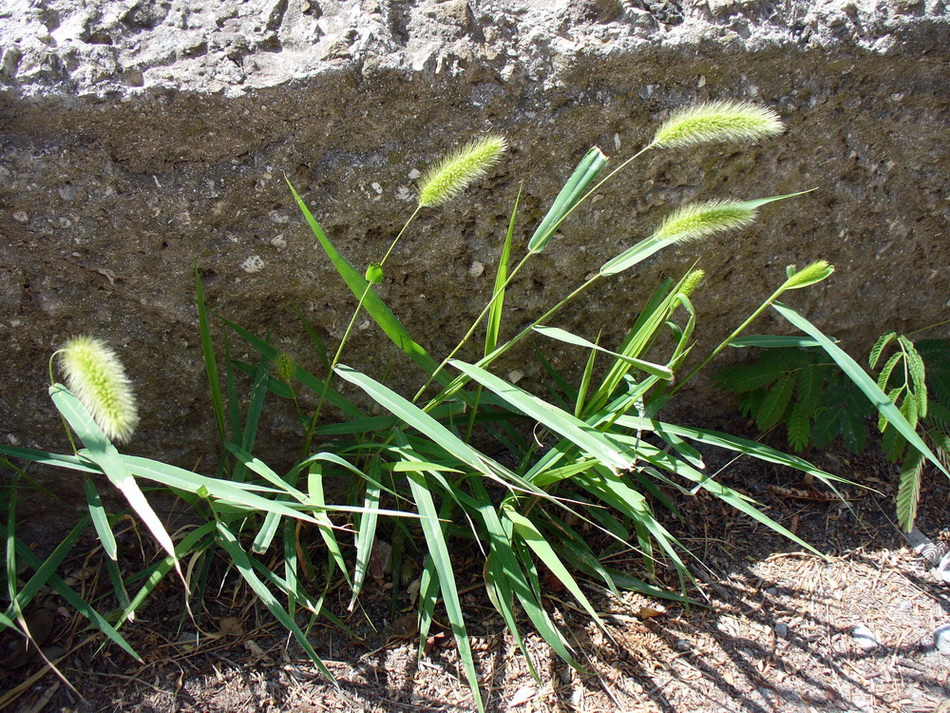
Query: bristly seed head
[(95, 375), (720, 121), (456, 172), (814, 272), (692, 282), (699, 220), (284, 367)]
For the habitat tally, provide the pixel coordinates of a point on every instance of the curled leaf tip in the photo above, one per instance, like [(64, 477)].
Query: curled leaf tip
[(95, 375), (454, 173), (715, 122)]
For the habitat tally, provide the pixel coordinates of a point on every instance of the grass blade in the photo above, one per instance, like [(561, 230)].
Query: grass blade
[(439, 552), (100, 520), (211, 364), (578, 432), (372, 303), (496, 311), (562, 335), (572, 192), (542, 548), (243, 563), (101, 452)]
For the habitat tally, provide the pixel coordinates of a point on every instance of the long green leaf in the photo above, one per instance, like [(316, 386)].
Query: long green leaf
[(73, 599), (508, 576), (495, 313), (100, 520), (366, 531), (864, 382), (100, 451), (653, 244), (439, 551), (300, 374), (542, 548), (589, 439), (207, 351), (569, 338), (372, 303), (424, 423), (243, 563)]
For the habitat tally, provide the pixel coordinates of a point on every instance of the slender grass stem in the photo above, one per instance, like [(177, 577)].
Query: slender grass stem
[(453, 388), (315, 419), (484, 312), (728, 340)]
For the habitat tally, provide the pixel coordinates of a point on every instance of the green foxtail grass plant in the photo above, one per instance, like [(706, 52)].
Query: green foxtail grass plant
[(585, 468)]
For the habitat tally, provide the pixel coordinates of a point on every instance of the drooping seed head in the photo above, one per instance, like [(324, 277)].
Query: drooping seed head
[(699, 220), (95, 375), (284, 367), (454, 173), (715, 122)]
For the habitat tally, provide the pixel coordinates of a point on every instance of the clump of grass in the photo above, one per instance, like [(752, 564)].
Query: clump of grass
[(417, 467)]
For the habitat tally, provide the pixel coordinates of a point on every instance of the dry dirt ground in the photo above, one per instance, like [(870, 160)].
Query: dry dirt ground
[(776, 635)]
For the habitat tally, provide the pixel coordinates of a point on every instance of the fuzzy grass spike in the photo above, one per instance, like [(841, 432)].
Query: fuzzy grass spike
[(699, 220), (95, 375), (453, 174), (716, 122)]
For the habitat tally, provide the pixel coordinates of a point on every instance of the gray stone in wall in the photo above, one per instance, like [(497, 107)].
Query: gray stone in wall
[(139, 137)]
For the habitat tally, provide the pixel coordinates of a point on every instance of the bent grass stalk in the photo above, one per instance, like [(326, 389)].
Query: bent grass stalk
[(315, 419), (809, 275)]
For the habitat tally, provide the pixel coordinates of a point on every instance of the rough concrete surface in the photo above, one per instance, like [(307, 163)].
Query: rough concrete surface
[(138, 137)]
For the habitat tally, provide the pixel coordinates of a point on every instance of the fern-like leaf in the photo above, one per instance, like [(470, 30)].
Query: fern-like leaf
[(885, 374), (808, 387), (775, 403), (878, 347), (758, 374), (908, 490), (893, 443), (799, 426), (826, 428), (941, 445), (909, 410), (918, 375), (750, 403), (939, 416), (893, 395), (853, 433), (936, 353)]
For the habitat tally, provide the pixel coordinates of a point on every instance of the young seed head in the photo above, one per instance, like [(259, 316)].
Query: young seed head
[(720, 121), (456, 172), (284, 367), (95, 375), (700, 220), (809, 275), (692, 282)]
